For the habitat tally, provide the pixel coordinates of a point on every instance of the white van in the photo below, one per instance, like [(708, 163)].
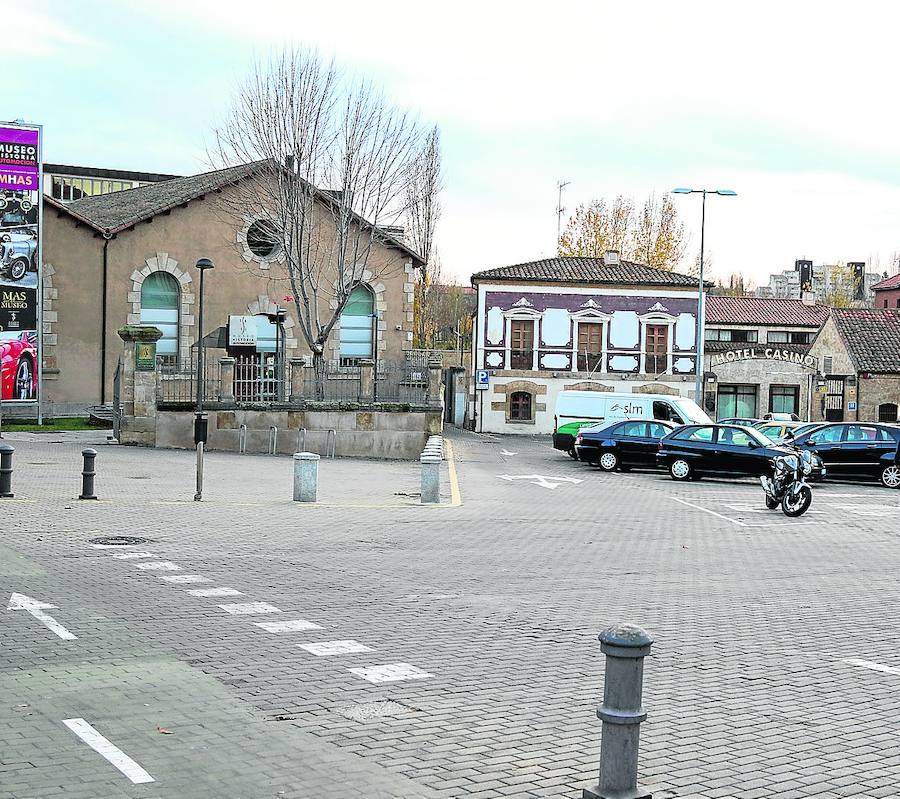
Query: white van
[(577, 409)]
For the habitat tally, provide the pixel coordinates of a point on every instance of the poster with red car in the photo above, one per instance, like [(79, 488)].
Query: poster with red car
[(20, 262)]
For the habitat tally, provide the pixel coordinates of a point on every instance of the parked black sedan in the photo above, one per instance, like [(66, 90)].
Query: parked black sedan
[(621, 445), (855, 449), (691, 451)]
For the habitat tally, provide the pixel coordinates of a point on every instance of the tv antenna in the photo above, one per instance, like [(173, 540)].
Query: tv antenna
[(560, 210)]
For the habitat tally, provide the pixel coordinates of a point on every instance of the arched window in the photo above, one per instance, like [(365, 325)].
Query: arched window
[(887, 412), (160, 297), (520, 409), (357, 326)]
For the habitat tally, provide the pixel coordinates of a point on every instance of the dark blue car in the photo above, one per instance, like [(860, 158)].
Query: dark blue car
[(855, 449), (621, 444)]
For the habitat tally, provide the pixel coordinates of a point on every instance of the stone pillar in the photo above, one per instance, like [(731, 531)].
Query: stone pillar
[(226, 379), (434, 381), (625, 647), (430, 490), (306, 476), (298, 365), (138, 384), (366, 380)]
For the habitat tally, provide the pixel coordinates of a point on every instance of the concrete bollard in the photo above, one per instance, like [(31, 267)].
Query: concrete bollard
[(431, 477), (306, 476), (88, 473), (6, 469), (625, 647)]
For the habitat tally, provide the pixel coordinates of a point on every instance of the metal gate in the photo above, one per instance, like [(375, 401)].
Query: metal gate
[(257, 378), (834, 399)]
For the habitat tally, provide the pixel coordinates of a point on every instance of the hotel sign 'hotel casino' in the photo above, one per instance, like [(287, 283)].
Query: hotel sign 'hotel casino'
[(766, 354)]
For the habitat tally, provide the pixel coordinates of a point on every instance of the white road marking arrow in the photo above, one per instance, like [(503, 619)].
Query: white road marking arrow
[(507, 452), (36, 608), (541, 480)]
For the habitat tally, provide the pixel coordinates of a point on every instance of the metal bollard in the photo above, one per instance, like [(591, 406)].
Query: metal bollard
[(306, 476), (87, 474), (273, 440), (6, 469), (625, 647), (430, 491), (242, 439)]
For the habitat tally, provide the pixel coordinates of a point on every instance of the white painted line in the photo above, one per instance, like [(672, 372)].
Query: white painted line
[(756, 509), (711, 512), (135, 555), (184, 578), (322, 648), (215, 592), (871, 664), (36, 609), (250, 608), (159, 566), (292, 626), (106, 749), (390, 672)]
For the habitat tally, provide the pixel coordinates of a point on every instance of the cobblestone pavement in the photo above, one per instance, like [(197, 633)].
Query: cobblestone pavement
[(774, 672)]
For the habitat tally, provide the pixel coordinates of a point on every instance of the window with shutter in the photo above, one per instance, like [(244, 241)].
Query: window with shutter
[(590, 346), (521, 346)]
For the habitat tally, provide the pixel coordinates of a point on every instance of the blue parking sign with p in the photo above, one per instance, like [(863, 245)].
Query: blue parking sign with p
[(482, 378)]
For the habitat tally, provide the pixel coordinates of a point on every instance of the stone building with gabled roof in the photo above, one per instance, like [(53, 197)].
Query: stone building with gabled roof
[(858, 353), (128, 257), (757, 356), (597, 324)]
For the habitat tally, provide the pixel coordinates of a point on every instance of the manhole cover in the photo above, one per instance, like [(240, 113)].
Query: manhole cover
[(384, 708), (119, 540)]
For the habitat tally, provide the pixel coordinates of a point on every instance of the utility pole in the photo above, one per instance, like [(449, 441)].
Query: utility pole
[(560, 210)]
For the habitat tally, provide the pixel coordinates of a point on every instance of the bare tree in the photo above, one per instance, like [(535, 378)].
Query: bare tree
[(331, 164), (423, 209)]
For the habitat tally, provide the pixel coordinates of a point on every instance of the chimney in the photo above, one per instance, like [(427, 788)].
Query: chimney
[(808, 297), (395, 231), (611, 258)]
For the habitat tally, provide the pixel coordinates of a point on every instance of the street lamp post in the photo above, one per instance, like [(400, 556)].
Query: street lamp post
[(701, 308), (200, 421), (280, 346)]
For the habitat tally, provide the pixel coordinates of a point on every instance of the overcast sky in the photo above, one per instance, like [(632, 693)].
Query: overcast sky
[(792, 105)]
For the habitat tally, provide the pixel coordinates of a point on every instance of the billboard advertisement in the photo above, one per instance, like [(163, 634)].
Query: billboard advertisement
[(20, 259)]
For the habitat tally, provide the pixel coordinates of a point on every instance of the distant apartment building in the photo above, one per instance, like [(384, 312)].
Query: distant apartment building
[(69, 183), (826, 281)]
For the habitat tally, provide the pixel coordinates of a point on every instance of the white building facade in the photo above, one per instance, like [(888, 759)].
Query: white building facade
[(596, 324)]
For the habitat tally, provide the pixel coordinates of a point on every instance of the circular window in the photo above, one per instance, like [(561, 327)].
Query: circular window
[(262, 239)]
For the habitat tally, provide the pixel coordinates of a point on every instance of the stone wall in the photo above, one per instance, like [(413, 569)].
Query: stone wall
[(358, 433), (874, 391)]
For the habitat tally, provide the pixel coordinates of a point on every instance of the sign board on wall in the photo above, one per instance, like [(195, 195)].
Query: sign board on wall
[(764, 354), (20, 261), (241, 331), (145, 356)]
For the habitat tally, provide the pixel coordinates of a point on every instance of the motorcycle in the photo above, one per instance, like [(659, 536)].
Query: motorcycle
[(787, 486)]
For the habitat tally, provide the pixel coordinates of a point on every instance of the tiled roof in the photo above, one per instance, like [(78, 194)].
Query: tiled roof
[(728, 346), (872, 337), (763, 311), (118, 210), (892, 282), (586, 270)]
